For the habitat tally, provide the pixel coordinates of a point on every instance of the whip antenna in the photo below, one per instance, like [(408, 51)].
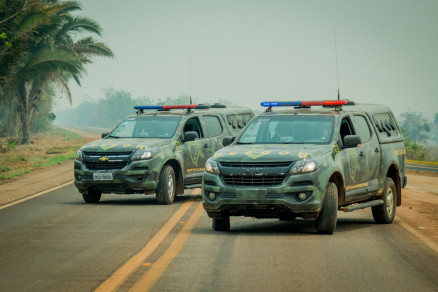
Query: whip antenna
[(190, 78), (337, 66)]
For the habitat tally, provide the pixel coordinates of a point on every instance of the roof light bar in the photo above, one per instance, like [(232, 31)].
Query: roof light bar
[(305, 103), (164, 107)]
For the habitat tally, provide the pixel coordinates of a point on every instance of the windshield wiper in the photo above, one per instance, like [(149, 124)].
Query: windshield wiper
[(113, 137)]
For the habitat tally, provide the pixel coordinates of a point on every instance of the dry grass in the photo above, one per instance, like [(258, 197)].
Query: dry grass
[(51, 148)]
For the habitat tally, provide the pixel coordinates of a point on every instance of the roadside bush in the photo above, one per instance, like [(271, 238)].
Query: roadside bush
[(8, 144)]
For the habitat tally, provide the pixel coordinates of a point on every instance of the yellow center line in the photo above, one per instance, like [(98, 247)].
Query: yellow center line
[(120, 276), (148, 280)]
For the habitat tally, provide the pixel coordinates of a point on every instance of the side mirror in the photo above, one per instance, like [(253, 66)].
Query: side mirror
[(105, 134), (190, 136), (351, 141), (228, 140)]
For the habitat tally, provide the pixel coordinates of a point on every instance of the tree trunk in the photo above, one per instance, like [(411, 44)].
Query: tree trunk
[(13, 120), (27, 96)]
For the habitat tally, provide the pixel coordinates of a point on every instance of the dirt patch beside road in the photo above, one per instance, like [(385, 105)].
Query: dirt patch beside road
[(419, 208)]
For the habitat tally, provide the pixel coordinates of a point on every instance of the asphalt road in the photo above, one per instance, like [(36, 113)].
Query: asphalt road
[(56, 242)]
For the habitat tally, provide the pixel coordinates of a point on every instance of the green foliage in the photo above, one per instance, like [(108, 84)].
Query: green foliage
[(47, 50), (16, 173), (415, 125), (55, 160), (414, 150), (8, 145)]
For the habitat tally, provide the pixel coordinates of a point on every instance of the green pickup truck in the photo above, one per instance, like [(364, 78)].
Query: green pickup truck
[(160, 149), (308, 162)]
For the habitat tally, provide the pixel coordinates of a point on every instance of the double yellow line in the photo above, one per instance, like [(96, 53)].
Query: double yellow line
[(148, 279)]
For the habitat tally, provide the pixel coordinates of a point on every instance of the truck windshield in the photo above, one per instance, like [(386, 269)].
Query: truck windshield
[(146, 127), (289, 129)]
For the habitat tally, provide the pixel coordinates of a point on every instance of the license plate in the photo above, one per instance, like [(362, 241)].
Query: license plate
[(250, 194), (103, 176)]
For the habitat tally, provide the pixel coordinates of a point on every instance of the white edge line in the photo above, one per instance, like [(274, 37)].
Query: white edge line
[(34, 195), (420, 236)]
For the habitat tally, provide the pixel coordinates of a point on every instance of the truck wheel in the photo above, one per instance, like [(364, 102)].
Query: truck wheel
[(385, 214), (93, 196), (166, 186), (327, 218), (221, 224)]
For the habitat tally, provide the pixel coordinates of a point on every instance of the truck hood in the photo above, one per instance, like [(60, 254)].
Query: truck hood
[(114, 145), (270, 152)]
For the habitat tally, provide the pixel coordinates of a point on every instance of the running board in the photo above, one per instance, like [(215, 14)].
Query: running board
[(193, 186), (362, 206)]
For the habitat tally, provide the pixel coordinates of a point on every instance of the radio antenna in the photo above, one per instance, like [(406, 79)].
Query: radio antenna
[(190, 78), (337, 66)]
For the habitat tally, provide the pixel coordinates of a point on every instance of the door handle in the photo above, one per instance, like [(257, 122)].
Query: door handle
[(205, 145), (377, 149), (361, 154)]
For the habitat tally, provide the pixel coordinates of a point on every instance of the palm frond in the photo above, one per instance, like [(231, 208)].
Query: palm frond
[(91, 47), (46, 61), (60, 82), (78, 25)]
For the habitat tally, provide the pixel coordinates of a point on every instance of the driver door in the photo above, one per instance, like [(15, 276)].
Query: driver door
[(194, 152)]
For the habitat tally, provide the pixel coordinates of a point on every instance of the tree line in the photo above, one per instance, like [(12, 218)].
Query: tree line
[(43, 46), (110, 110)]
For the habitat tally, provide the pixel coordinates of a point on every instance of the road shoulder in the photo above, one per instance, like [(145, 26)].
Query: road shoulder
[(32, 183)]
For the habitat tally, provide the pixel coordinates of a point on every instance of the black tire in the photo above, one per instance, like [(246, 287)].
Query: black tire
[(221, 224), (93, 196), (328, 217), (166, 186), (385, 214)]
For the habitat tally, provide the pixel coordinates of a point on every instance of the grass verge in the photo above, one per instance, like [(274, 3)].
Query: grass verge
[(51, 148)]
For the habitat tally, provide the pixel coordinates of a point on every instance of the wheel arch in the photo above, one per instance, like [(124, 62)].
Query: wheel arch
[(178, 175), (337, 179), (393, 173)]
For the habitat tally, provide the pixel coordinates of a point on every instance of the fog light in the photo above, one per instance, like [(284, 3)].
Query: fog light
[(212, 196), (302, 196)]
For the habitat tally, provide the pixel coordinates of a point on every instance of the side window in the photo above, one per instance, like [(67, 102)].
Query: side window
[(238, 121), (346, 128), (214, 127), (386, 127), (362, 128), (193, 124)]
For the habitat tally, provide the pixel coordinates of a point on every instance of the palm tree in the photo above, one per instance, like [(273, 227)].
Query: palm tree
[(54, 58)]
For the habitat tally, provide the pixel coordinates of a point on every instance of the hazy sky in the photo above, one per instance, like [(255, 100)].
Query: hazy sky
[(253, 51)]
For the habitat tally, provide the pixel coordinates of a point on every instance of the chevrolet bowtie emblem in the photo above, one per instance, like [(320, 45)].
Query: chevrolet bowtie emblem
[(103, 158)]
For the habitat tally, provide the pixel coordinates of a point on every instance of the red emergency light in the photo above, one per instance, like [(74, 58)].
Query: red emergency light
[(165, 107), (305, 103)]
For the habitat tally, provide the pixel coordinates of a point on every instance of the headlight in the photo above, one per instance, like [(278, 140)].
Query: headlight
[(144, 154), (211, 166), (304, 166), (79, 155)]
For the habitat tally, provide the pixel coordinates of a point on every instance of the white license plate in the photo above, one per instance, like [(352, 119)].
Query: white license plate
[(103, 176)]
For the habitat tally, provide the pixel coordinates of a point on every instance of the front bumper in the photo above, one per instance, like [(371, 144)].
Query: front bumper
[(264, 202), (136, 177)]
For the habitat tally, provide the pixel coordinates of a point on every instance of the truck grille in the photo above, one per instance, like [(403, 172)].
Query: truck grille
[(111, 160), (252, 180), (254, 173), (256, 164)]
